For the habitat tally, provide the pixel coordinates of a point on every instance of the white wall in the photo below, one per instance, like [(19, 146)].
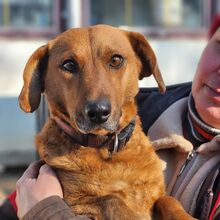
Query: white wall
[(13, 57), (177, 60)]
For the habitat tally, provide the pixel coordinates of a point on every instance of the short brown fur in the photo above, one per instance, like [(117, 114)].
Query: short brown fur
[(97, 183)]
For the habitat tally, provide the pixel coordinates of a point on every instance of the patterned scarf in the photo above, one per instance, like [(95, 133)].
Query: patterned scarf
[(196, 130)]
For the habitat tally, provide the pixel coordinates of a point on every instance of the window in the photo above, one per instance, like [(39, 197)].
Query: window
[(152, 15), (34, 16)]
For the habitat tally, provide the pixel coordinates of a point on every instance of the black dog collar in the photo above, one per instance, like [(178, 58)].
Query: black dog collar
[(113, 141)]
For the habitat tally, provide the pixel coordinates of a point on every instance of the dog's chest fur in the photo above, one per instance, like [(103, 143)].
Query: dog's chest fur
[(84, 171)]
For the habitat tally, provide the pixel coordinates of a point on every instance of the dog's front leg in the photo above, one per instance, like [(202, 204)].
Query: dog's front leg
[(168, 208), (108, 207)]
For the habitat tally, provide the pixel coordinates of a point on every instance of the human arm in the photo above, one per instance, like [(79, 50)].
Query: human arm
[(40, 196)]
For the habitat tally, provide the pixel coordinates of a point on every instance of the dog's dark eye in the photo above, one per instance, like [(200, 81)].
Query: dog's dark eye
[(70, 66), (116, 61)]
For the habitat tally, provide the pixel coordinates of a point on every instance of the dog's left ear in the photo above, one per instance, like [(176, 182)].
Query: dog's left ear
[(148, 59)]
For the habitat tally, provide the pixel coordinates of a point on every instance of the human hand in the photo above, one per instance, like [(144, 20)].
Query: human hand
[(38, 182)]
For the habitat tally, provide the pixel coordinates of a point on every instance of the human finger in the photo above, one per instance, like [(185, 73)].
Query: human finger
[(45, 169), (33, 169)]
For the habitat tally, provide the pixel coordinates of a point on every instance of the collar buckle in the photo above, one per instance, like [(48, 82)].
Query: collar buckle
[(115, 147)]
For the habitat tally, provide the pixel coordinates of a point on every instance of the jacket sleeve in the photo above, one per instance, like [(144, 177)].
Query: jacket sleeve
[(52, 208), (151, 103)]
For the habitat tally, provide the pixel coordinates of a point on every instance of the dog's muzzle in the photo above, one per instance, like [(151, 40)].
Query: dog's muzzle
[(96, 115), (98, 111)]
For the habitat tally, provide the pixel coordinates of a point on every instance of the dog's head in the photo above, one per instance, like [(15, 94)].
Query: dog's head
[(90, 76)]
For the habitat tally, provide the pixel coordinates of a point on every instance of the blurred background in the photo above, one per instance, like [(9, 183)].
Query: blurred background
[(177, 30)]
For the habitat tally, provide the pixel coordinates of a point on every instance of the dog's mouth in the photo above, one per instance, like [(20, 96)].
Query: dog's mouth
[(87, 126)]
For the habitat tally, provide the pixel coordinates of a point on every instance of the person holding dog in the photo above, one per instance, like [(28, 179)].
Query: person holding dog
[(185, 131)]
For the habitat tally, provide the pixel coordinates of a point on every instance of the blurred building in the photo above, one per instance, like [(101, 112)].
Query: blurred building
[(176, 29)]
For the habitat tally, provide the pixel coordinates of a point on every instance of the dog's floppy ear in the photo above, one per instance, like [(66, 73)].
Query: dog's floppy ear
[(148, 59), (29, 98)]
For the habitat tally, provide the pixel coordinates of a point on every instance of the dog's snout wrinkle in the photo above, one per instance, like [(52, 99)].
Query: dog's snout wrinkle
[(98, 111)]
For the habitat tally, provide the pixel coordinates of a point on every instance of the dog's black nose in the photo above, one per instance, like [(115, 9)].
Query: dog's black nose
[(98, 111)]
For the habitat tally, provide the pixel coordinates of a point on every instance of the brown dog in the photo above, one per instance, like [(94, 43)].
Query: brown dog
[(106, 164)]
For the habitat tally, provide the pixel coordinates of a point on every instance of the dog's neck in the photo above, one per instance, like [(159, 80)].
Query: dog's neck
[(113, 141)]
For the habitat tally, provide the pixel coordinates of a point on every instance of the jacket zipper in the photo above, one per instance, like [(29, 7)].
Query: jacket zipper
[(183, 171), (188, 159)]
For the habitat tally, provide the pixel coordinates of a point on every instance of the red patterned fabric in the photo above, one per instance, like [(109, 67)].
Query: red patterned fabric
[(202, 132), (12, 198)]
